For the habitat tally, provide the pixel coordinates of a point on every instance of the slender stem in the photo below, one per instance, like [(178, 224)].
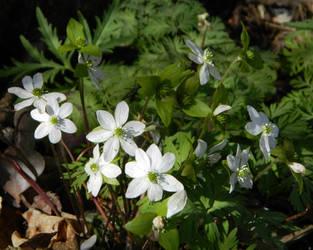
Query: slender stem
[(117, 204), (144, 108), (99, 208), (228, 69), (84, 152), (82, 100), (31, 182), (68, 151), (263, 171), (203, 37)]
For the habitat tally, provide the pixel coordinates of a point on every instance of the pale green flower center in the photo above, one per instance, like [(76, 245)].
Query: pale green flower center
[(152, 177), (208, 57), (118, 132), (37, 92), (54, 120), (94, 167), (242, 172), (267, 129), (89, 63), (80, 42)]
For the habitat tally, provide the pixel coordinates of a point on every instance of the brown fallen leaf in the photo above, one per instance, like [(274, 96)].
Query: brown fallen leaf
[(39, 203)]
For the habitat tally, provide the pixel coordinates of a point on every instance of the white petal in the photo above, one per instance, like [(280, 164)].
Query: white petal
[(246, 181), (95, 60), (169, 183), (166, 163), (271, 142), (264, 146), (238, 155), (155, 156), (254, 115), (23, 104), (232, 182), (65, 110), (41, 117), (253, 128), (42, 130), (58, 96), (133, 170), (121, 113), (106, 120), (110, 170), (99, 135), (21, 93), (68, 126), (137, 187), (194, 48), (263, 118), (213, 71), (214, 158), (204, 74), (38, 81), (195, 58), (52, 107), (232, 163), (89, 243), (96, 152), (129, 146), (111, 148), (88, 165), (274, 130), (176, 203), (93, 77), (134, 128), (81, 59), (40, 104), (155, 192), (297, 167), (219, 146), (142, 160), (96, 74), (201, 148), (94, 184), (55, 135), (27, 82), (245, 156), (220, 109)]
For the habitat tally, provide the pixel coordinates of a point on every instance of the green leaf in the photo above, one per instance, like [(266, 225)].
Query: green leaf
[(75, 33), (189, 171), (254, 59), (66, 48), (220, 96), (175, 73), (141, 225), (198, 109), (90, 49), (148, 85), (230, 241), (164, 109), (245, 39), (169, 239), (81, 70), (85, 24), (110, 181)]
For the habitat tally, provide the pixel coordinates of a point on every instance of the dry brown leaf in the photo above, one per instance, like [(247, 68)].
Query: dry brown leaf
[(41, 204)]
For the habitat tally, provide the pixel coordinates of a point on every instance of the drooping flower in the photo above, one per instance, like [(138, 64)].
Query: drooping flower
[(220, 109), (297, 167), (176, 203), (261, 124), (100, 165), (114, 131), (92, 62), (148, 173), (33, 93), (206, 59), (53, 120), (238, 165), (213, 157)]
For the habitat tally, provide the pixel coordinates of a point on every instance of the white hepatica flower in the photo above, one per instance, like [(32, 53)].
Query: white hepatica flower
[(213, 157), (53, 121), (238, 165), (91, 62), (89, 243), (97, 166), (148, 173), (176, 203), (33, 93), (113, 131), (220, 109), (206, 59), (261, 124), (297, 167)]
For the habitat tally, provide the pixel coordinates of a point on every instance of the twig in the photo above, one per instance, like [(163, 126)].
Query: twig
[(68, 150), (84, 152), (296, 216), (296, 235), (31, 182)]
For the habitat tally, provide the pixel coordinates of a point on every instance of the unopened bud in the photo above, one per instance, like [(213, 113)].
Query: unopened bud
[(297, 167)]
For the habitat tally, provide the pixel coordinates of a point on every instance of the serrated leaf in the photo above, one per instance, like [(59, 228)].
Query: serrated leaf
[(148, 85), (169, 239), (90, 49), (175, 73), (66, 48), (141, 225), (230, 241)]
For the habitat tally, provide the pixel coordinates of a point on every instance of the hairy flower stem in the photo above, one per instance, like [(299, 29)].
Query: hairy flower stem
[(82, 100), (228, 69), (31, 182), (263, 171)]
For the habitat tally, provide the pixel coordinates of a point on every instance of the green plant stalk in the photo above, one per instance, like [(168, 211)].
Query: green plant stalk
[(31, 182), (263, 171), (82, 100), (228, 69)]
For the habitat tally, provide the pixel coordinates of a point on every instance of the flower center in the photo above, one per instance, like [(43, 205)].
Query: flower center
[(54, 120), (208, 57), (94, 167), (37, 92), (89, 63), (267, 129), (80, 42), (152, 177), (118, 132), (242, 172)]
